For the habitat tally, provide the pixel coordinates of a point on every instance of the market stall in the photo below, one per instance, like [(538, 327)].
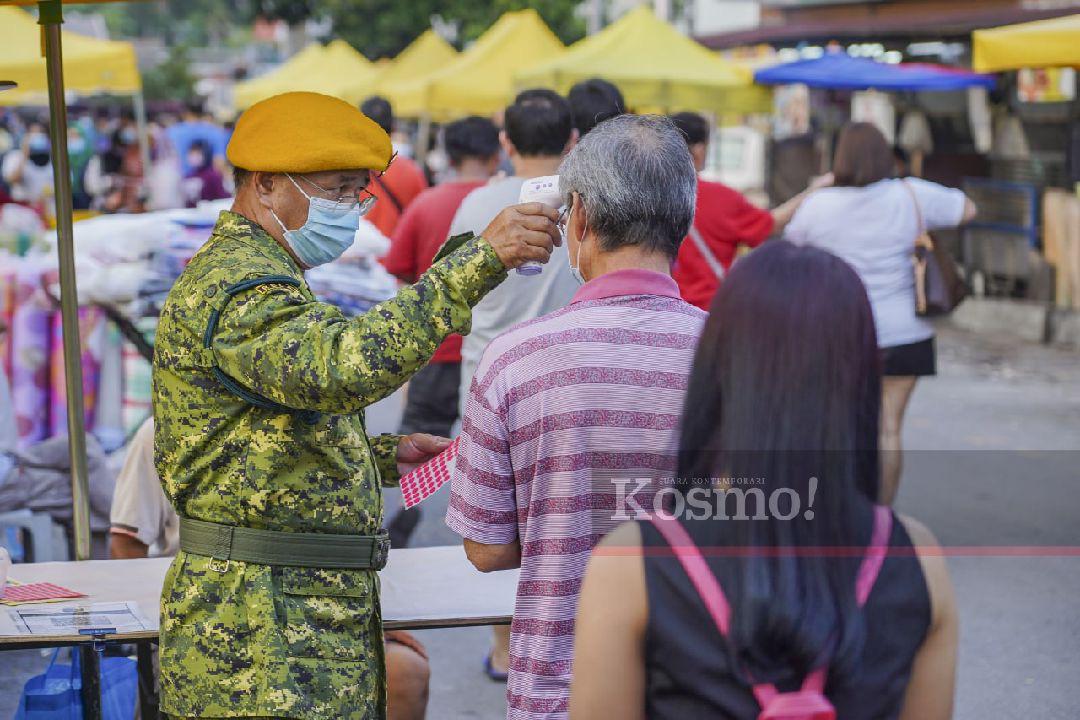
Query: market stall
[(1044, 43), (91, 66), (335, 69), (840, 71), (481, 80), (1046, 54), (656, 67), (424, 55)]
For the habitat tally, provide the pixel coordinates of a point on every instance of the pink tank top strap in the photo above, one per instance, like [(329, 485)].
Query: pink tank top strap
[(875, 554), (690, 557)]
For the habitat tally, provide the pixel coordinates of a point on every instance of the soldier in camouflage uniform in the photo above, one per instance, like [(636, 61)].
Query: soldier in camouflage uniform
[(259, 393)]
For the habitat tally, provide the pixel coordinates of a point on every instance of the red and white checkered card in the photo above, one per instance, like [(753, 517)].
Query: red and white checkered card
[(16, 594), (422, 482)]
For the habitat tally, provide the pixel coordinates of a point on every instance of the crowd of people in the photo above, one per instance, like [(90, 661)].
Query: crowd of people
[(108, 161), (629, 418)]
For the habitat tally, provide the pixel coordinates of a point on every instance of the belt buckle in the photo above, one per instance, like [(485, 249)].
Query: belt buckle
[(380, 552)]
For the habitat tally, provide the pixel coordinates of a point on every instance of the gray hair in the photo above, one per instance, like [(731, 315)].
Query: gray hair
[(637, 180)]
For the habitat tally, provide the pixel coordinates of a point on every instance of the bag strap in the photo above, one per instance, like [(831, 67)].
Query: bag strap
[(389, 193), (707, 253), (875, 554), (249, 396), (690, 557), (918, 209), (708, 587)]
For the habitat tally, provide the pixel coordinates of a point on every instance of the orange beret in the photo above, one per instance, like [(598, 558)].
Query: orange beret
[(305, 132)]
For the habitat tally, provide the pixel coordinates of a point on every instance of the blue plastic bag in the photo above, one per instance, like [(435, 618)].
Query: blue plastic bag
[(56, 694)]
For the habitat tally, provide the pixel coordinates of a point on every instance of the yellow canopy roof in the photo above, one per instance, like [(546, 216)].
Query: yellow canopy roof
[(336, 69), (656, 67), (481, 80), (1044, 43), (424, 55), (90, 65)]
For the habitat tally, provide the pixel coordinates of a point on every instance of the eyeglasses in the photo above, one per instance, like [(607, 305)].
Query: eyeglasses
[(346, 200), (564, 215)]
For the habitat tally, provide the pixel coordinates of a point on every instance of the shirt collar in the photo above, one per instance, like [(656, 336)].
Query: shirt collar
[(633, 281), (236, 225)]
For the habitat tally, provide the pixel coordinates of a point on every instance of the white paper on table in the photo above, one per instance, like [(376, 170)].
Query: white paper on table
[(113, 618)]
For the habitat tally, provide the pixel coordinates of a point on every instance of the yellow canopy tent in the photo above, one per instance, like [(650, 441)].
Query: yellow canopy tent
[(656, 67), (1043, 43), (290, 75), (424, 55), (481, 80), (91, 66), (336, 69), (346, 73)]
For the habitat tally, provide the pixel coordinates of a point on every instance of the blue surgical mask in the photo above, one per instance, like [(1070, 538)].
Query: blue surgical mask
[(329, 231)]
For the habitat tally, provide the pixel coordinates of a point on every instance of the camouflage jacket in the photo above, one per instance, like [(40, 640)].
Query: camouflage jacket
[(248, 639)]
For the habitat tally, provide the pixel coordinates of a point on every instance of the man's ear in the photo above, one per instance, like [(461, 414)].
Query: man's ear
[(507, 146), (263, 182), (573, 141)]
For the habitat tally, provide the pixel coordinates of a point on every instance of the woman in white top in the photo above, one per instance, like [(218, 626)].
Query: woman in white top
[(870, 219)]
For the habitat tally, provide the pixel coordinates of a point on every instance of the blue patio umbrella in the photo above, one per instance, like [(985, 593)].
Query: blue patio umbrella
[(840, 71)]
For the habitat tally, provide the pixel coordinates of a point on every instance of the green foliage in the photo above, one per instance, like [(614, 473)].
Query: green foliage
[(172, 79), (292, 12), (190, 22), (382, 28), (378, 28)]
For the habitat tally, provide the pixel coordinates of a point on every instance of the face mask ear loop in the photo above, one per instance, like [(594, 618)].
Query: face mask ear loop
[(297, 186), (584, 231), (281, 224)]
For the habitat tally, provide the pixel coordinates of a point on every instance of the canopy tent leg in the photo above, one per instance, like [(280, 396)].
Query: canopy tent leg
[(144, 138), (423, 138), (50, 19)]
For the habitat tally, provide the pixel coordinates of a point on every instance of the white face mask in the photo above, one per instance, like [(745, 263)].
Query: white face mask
[(575, 268)]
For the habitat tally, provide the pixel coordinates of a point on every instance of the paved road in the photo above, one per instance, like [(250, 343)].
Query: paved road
[(993, 461)]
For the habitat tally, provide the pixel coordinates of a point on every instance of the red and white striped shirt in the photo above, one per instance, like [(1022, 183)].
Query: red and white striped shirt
[(559, 408)]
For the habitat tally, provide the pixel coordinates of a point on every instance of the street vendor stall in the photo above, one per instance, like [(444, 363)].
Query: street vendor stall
[(91, 66), (481, 80), (1045, 43), (424, 55), (840, 71), (655, 66), (335, 69)]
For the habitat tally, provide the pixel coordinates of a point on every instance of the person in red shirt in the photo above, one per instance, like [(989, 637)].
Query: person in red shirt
[(402, 181), (724, 220), (472, 145)]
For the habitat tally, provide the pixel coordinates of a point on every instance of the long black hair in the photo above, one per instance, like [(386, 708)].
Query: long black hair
[(786, 387)]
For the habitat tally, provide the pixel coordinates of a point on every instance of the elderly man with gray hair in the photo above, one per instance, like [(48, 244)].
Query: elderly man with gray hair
[(570, 414)]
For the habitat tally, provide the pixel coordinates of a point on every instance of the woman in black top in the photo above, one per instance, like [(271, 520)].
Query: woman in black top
[(778, 465)]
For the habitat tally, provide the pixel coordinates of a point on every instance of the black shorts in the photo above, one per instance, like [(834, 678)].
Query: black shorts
[(917, 359)]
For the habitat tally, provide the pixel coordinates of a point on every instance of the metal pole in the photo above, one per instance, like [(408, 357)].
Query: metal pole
[(50, 19), (90, 672), (423, 137), (144, 137)]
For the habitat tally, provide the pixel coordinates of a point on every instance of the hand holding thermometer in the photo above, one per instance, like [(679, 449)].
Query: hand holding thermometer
[(542, 190)]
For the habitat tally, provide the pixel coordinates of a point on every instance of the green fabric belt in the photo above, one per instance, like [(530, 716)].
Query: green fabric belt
[(294, 549)]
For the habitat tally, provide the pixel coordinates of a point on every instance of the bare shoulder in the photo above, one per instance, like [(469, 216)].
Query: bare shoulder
[(932, 560), (628, 534), (921, 536)]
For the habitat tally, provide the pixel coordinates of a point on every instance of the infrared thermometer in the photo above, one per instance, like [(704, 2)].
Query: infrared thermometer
[(542, 190)]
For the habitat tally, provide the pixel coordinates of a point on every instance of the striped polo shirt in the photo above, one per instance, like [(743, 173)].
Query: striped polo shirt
[(560, 411)]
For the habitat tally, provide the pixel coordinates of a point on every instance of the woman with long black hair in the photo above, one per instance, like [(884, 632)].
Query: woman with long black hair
[(777, 488)]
